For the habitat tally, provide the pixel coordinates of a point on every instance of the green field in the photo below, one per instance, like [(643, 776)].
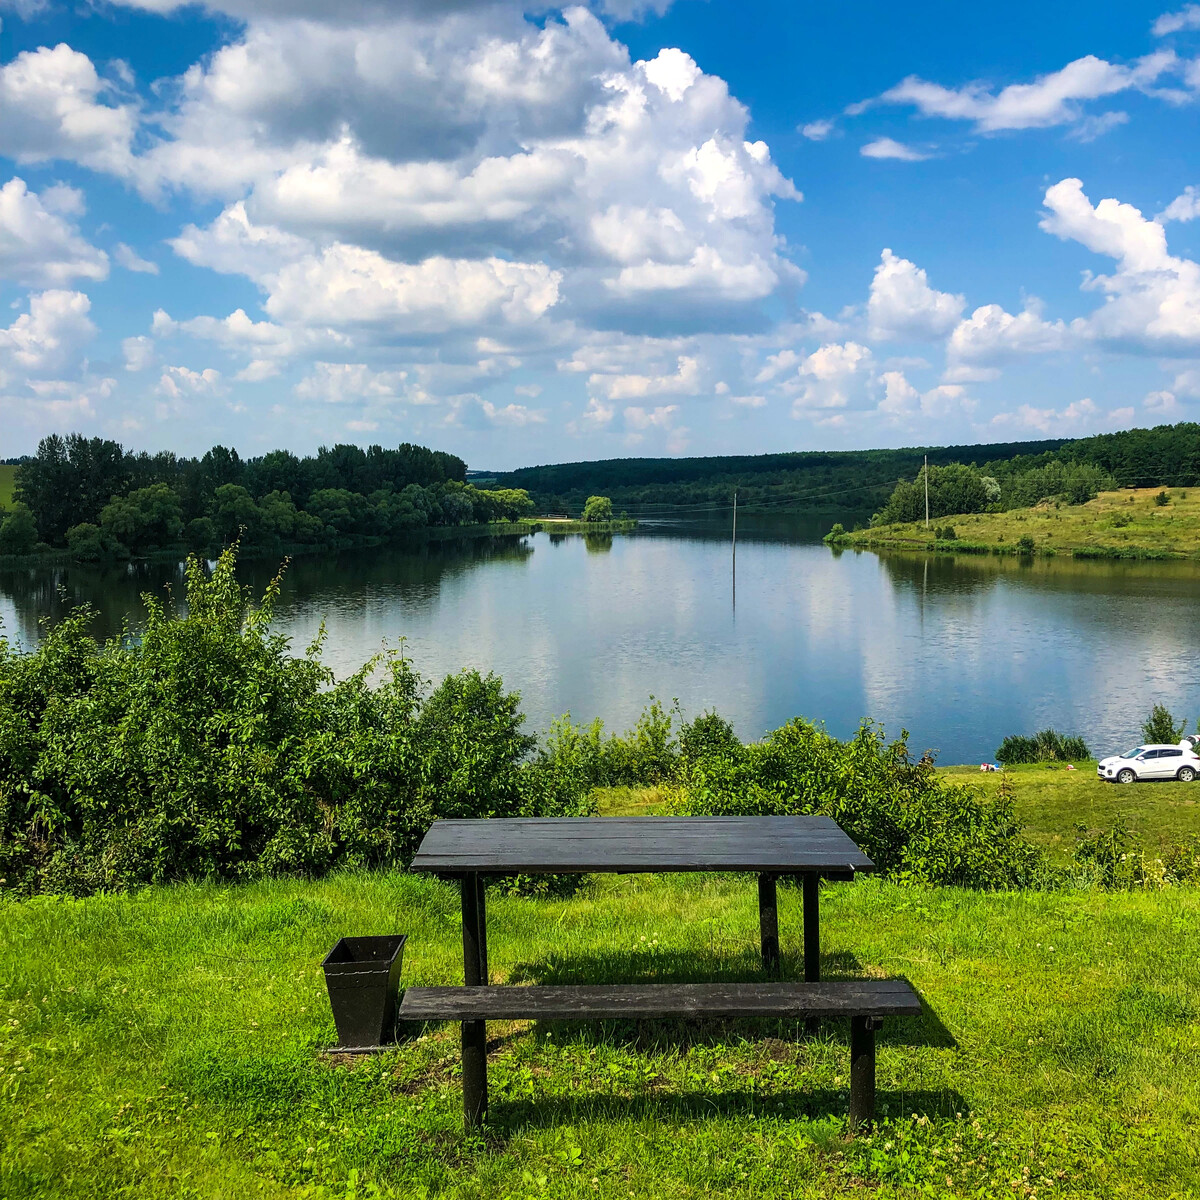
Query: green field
[(1124, 523), (8, 477), (166, 1044)]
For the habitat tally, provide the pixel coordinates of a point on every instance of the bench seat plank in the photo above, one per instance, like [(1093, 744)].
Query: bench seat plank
[(873, 998)]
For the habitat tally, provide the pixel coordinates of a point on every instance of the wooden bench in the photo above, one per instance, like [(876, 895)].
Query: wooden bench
[(865, 1001)]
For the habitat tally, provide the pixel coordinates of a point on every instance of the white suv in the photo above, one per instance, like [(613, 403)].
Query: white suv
[(1152, 762)]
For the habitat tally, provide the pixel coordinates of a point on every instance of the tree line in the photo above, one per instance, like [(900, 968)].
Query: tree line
[(829, 481), (99, 500), (1073, 473)]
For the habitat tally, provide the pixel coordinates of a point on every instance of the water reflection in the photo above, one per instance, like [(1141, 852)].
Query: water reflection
[(961, 650)]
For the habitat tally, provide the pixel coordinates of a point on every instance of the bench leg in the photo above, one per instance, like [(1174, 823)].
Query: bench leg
[(768, 922), (862, 1073), (812, 938), (474, 1033)]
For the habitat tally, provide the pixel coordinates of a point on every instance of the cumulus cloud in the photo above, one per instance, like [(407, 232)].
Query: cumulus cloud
[(1052, 99), (685, 380), (889, 148), (828, 376), (51, 100), (39, 244), (139, 353), (1152, 300), (339, 383), (1185, 207), (991, 334), (182, 383), (903, 305), (49, 340)]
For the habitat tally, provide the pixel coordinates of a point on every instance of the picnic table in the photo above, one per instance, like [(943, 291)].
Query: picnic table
[(811, 848)]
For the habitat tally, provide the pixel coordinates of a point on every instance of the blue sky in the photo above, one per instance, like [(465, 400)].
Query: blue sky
[(533, 235)]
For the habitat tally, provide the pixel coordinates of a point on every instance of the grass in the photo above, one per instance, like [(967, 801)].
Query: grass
[(166, 1044), (8, 479), (1050, 801), (1121, 524)]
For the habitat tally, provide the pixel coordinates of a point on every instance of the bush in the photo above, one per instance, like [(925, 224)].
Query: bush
[(1047, 746), (203, 749), (913, 824), (1160, 726), (1162, 499), (836, 533), (18, 531), (945, 533), (1025, 545)]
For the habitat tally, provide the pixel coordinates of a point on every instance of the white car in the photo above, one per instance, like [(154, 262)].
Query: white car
[(1154, 761)]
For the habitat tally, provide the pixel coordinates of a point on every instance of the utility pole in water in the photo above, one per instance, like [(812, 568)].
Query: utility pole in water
[(735, 547), (926, 495)]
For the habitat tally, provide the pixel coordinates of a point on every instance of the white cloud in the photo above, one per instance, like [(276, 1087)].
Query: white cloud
[(181, 383), (889, 148), (900, 398), (129, 258), (1163, 404), (1152, 300), (903, 305), (655, 418), (48, 341), (1080, 416), (1052, 99), (818, 131), (139, 353), (749, 401), (684, 381), (50, 100), (990, 334), (1185, 207), (828, 376), (38, 244), (340, 383), (1188, 17)]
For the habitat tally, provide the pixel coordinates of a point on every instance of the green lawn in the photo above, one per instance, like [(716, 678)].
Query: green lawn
[(1050, 800), (166, 1045), (8, 477), (1125, 522)]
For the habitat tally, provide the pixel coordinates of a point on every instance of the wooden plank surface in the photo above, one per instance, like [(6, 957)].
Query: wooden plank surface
[(860, 997), (779, 845)]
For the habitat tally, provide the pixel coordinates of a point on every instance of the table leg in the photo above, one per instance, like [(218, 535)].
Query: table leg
[(768, 922), (812, 938), (474, 1033)]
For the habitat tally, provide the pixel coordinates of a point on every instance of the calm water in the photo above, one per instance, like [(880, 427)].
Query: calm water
[(959, 651)]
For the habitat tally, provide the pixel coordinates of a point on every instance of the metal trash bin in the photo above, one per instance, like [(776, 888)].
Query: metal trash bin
[(362, 975)]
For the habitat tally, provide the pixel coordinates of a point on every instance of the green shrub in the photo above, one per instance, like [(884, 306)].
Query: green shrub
[(1162, 499), (1025, 545), (913, 824), (836, 533), (203, 748), (647, 754), (1047, 746), (1160, 726), (18, 531)]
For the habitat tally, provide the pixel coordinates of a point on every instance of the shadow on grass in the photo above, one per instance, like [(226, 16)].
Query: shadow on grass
[(507, 1118), (675, 966)]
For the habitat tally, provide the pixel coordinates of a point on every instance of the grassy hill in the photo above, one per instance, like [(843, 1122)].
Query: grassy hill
[(1123, 524)]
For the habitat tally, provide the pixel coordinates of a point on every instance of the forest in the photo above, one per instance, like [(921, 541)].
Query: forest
[(864, 480), (99, 500)]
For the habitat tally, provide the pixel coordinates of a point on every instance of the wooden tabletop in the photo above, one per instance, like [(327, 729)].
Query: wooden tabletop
[(549, 845)]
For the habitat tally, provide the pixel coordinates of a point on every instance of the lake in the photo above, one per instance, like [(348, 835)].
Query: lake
[(958, 650)]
